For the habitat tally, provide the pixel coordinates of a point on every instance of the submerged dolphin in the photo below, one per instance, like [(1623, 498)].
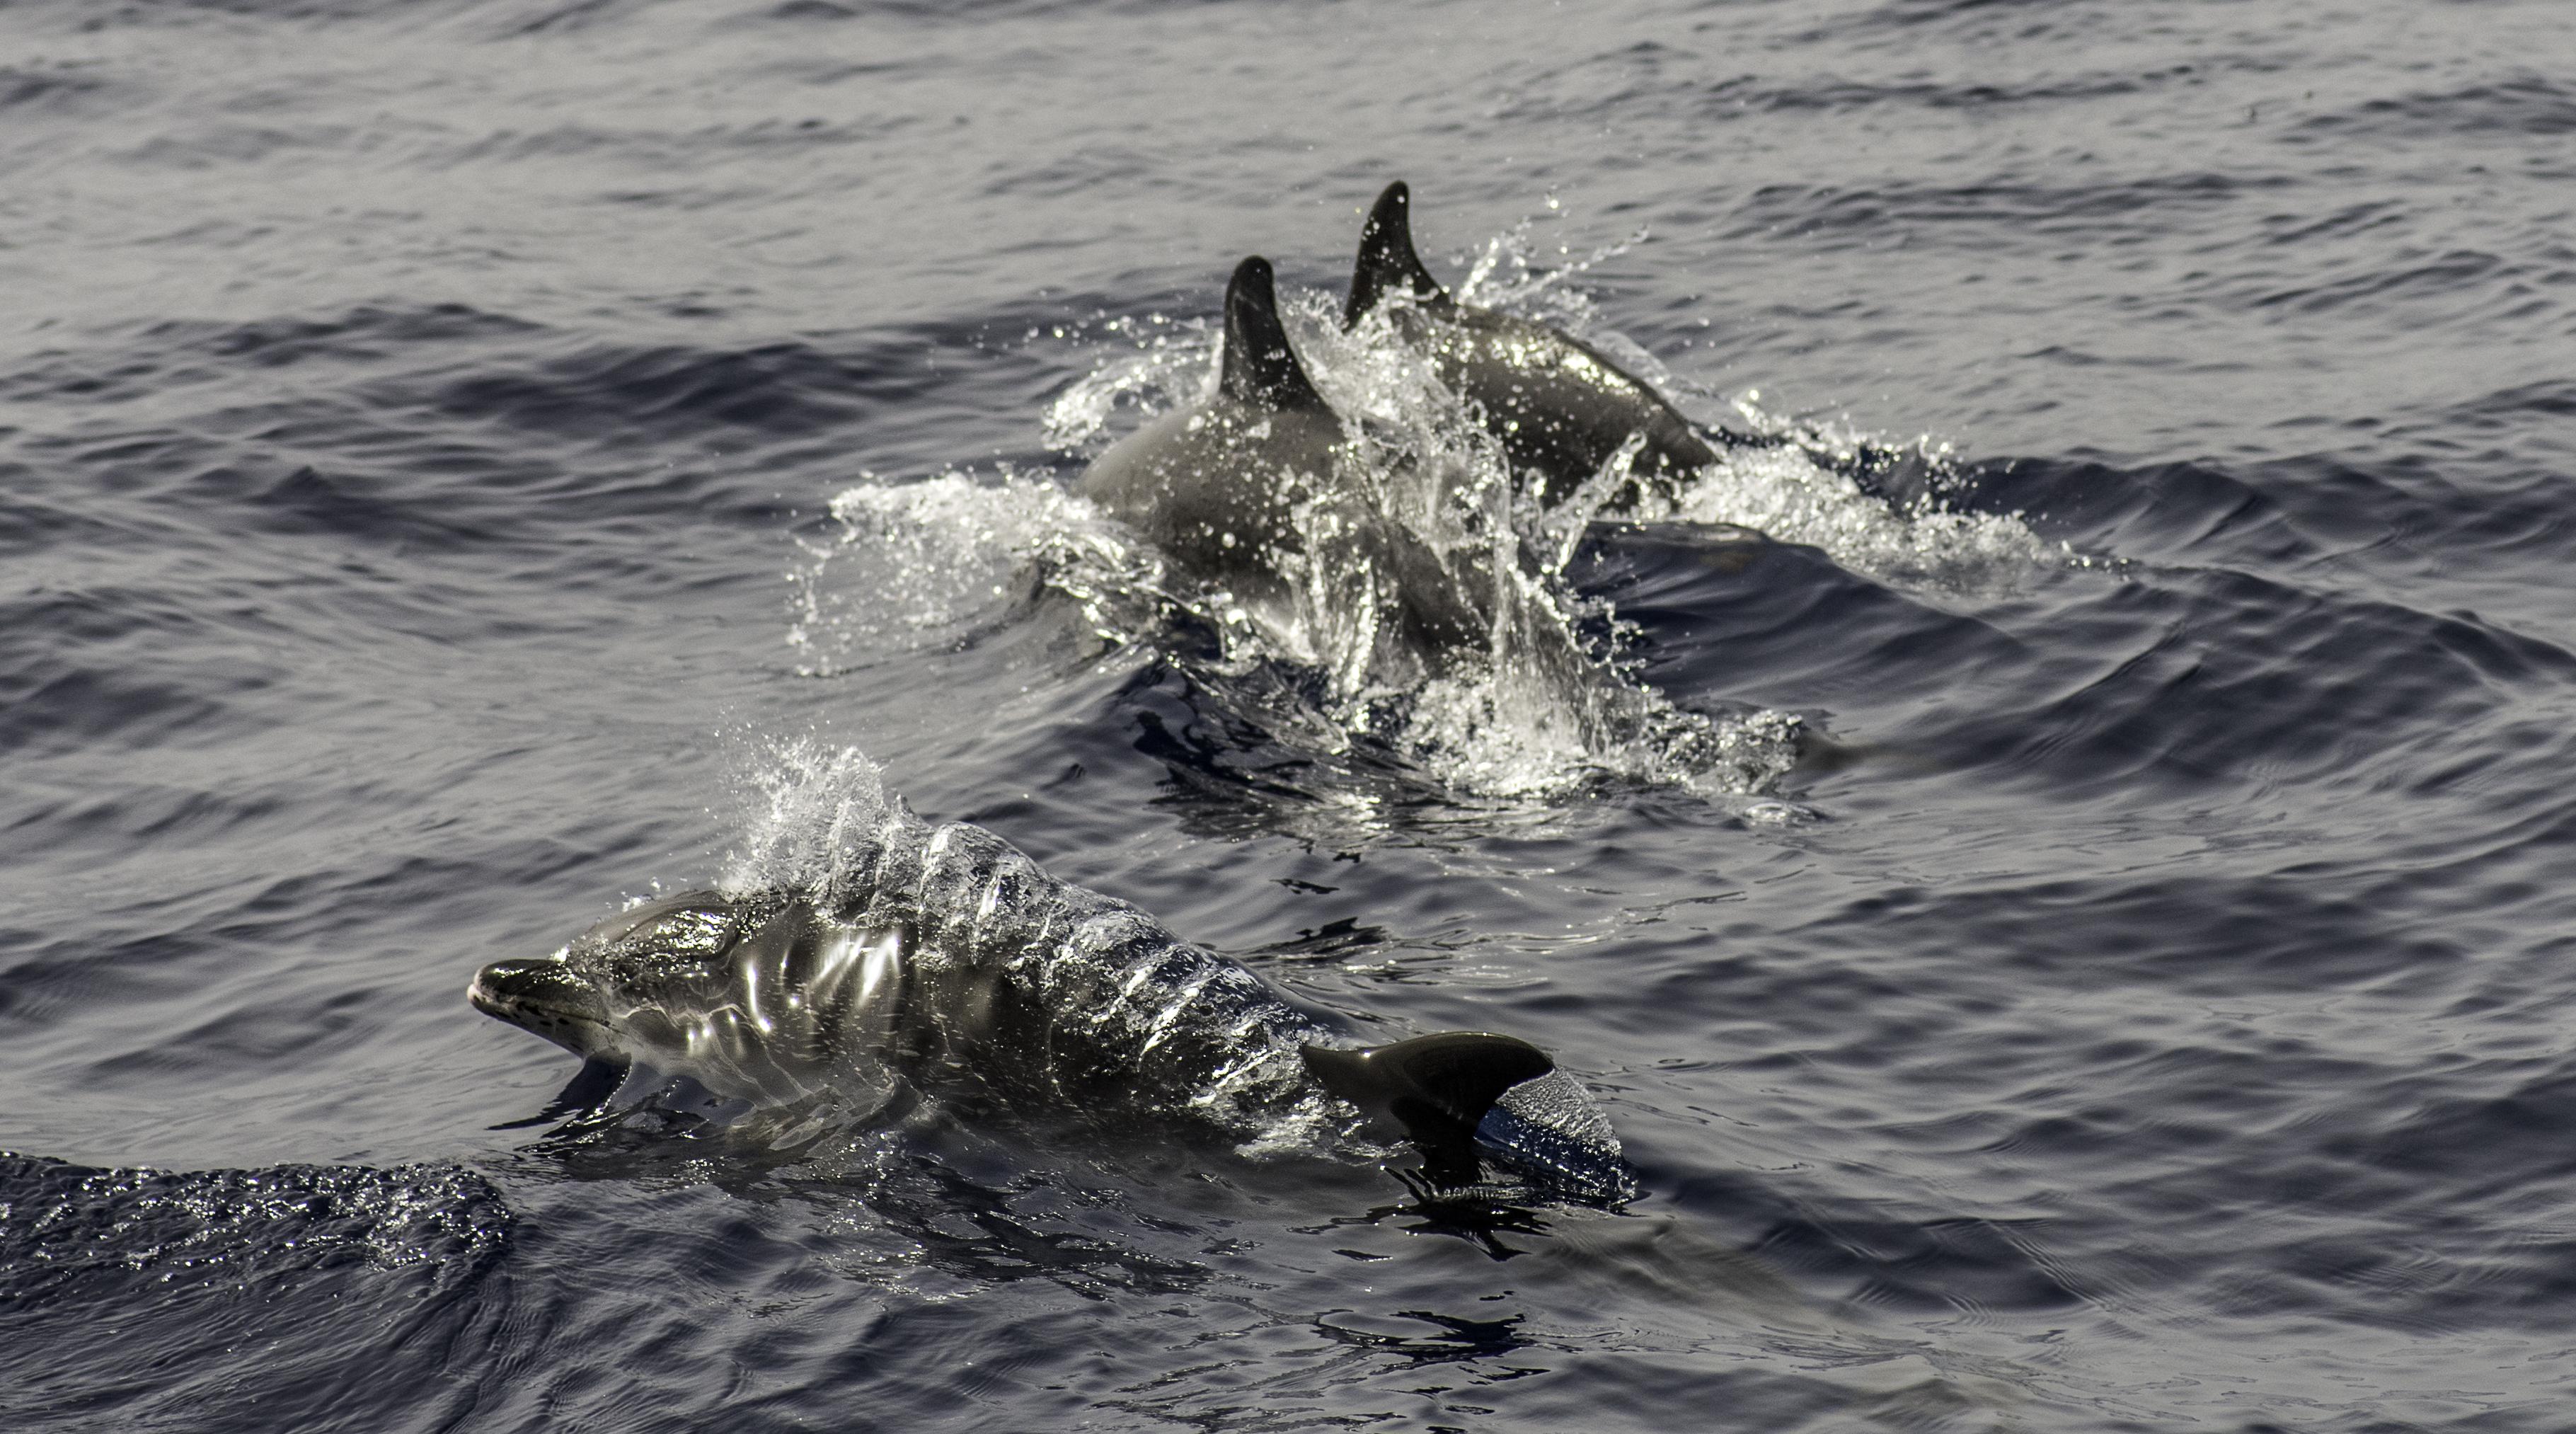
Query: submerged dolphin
[(1559, 406), (1250, 487), (951, 965)]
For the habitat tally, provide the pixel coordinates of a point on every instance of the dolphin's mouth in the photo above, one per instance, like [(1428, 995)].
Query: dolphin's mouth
[(545, 998)]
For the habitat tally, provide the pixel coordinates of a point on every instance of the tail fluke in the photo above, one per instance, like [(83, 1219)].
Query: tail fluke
[(1466, 1096)]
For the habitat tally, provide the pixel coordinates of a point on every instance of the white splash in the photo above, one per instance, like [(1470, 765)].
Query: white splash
[(1799, 491), (913, 565), (1542, 707), (812, 819), (1788, 495), (1170, 362)]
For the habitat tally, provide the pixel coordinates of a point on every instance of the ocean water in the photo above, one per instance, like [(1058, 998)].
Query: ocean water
[(2062, 873)]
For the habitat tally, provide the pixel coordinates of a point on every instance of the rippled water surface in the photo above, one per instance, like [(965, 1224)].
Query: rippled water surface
[(2071, 927)]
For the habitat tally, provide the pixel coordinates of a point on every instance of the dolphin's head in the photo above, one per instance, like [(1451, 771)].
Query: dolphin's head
[(759, 998)]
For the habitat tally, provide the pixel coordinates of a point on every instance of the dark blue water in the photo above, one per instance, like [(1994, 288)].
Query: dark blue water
[(466, 465)]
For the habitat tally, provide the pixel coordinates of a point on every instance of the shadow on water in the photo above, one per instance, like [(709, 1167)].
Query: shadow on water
[(1302, 1258)]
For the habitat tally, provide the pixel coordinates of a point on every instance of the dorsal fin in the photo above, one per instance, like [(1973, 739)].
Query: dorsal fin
[(1259, 365), (1452, 1075), (1387, 261)]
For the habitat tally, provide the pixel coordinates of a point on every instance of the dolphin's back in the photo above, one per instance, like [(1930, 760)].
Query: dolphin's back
[(1215, 487), (1076, 999), (1560, 407), (1253, 491)]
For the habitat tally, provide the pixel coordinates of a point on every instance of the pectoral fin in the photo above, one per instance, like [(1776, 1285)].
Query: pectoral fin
[(590, 1087)]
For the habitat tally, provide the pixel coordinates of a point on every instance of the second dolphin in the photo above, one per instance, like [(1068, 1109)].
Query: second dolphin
[(1559, 406)]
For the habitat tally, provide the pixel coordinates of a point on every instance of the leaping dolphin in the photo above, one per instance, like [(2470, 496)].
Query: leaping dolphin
[(1559, 406), (1247, 488), (949, 964)]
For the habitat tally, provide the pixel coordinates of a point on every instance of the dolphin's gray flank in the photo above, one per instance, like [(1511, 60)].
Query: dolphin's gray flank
[(1214, 486)]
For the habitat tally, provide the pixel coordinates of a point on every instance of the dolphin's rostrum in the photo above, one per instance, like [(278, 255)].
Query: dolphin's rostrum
[(947, 964), (1559, 406)]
